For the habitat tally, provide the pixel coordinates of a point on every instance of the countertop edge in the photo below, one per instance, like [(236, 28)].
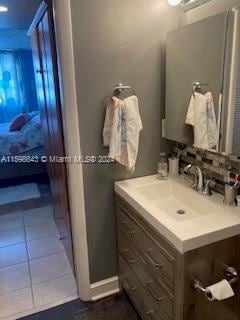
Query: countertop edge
[(182, 246)]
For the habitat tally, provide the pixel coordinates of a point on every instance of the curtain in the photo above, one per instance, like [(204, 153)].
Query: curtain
[(12, 95)]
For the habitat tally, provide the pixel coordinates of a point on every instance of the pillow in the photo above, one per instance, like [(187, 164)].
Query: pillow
[(19, 121), (35, 122)]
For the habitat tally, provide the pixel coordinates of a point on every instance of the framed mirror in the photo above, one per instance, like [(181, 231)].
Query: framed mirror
[(203, 84)]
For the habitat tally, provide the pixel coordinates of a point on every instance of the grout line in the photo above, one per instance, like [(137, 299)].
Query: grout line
[(9, 292), (29, 270), (31, 281), (49, 236), (28, 260), (34, 307), (11, 229), (44, 221), (13, 265), (53, 279), (18, 228), (53, 234), (50, 219), (27, 253), (45, 256), (24, 226), (12, 244)]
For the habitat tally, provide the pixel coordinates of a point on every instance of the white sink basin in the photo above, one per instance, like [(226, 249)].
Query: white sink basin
[(186, 218), (177, 200)]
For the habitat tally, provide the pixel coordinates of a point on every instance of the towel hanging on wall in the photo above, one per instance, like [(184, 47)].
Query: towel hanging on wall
[(201, 115), (122, 130)]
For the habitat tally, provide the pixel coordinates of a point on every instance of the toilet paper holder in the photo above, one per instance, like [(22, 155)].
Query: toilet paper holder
[(231, 276)]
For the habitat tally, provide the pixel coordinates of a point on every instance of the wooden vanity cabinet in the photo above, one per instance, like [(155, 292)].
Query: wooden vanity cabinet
[(158, 279)]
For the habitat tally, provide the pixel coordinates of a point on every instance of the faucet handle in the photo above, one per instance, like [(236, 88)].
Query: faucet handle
[(187, 168), (209, 185)]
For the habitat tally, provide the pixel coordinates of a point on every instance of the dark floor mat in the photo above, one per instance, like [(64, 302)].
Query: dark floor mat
[(114, 308)]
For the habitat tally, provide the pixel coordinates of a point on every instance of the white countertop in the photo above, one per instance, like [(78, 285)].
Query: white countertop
[(207, 219)]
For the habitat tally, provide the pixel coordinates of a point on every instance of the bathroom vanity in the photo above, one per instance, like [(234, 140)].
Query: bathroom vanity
[(170, 238)]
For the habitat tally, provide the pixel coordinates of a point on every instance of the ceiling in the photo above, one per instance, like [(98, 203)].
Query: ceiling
[(20, 13)]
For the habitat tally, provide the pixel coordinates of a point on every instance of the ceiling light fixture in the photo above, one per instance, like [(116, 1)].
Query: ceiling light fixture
[(174, 2), (3, 9), (188, 4)]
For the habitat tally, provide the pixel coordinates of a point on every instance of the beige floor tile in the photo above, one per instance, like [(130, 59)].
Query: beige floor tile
[(11, 237), (14, 278), (15, 302), (49, 268), (11, 221), (41, 230), (12, 255), (45, 246), (54, 290), (38, 215)]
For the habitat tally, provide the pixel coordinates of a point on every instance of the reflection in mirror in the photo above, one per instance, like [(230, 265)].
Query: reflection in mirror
[(201, 116), (203, 84), (231, 116)]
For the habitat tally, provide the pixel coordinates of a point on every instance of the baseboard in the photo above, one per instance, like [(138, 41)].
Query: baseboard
[(104, 288)]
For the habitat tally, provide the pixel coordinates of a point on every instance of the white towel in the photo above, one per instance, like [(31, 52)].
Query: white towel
[(121, 130), (201, 115)]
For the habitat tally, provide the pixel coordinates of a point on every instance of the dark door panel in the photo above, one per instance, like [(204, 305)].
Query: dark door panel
[(46, 70)]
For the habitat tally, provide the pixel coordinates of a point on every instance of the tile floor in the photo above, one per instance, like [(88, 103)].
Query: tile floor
[(34, 270)]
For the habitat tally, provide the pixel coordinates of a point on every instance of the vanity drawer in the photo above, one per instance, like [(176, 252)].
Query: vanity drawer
[(155, 294), (136, 292), (127, 252), (159, 263), (163, 244)]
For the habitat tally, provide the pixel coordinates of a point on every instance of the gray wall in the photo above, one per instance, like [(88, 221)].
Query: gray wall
[(117, 40)]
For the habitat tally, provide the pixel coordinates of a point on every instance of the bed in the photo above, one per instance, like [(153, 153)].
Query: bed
[(28, 141)]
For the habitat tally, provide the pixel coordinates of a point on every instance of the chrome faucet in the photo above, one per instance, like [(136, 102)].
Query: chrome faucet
[(198, 184), (198, 176), (209, 185)]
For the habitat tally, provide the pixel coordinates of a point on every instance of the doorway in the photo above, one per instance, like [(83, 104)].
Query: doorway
[(36, 259)]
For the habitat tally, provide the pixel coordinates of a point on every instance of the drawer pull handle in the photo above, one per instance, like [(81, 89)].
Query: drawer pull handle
[(124, 250), (158, 299), (154, 263), (131, 261), (133, 288), (149, 313), (131, 233)]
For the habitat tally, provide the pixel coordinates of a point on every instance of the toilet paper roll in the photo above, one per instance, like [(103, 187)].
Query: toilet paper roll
[(221, 290)]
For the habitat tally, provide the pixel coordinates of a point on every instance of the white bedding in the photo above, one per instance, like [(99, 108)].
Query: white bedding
[(4, 130), (16, 142)]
